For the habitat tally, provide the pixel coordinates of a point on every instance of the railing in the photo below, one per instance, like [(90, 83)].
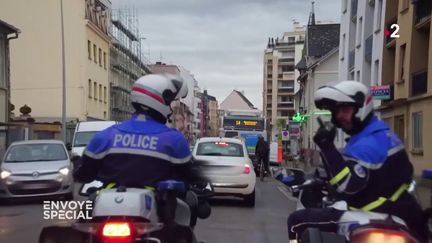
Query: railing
[(368, 48), (419, 83)]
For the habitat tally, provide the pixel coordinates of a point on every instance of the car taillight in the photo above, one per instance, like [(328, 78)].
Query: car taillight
[(246, 169), (381, 236), (120, 232)]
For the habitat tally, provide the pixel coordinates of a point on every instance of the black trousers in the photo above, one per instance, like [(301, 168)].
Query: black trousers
[(265, 159), (326, 219)]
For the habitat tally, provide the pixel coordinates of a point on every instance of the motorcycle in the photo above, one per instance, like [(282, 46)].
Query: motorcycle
[(129, 215), (353, 226)]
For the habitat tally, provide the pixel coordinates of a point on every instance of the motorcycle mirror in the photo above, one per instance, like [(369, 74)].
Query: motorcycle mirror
[(89, 188)]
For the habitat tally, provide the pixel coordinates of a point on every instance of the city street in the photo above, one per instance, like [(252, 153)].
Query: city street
[(230, 221)]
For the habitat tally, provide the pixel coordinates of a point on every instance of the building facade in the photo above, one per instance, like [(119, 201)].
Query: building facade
[(407, 68), (279, 85), (361, 42), (36, 66)]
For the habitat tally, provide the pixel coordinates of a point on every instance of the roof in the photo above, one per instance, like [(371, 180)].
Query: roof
[(8, 28), (321, 39), (325, 57), (164, 68), (38, 141), (245, 99)]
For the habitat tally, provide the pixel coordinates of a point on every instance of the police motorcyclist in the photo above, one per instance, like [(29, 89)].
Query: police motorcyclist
[(372, 173), (142, 151)]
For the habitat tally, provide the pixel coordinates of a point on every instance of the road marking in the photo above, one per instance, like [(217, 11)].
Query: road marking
[(286, 193)]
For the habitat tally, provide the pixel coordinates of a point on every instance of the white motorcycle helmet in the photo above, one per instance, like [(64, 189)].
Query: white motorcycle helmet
[(354, 93), (154, 93)]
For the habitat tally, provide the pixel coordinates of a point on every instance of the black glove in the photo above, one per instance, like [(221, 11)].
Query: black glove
[(325, 135)]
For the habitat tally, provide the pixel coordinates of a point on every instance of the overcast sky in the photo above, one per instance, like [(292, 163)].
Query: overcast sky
[(221, 41)]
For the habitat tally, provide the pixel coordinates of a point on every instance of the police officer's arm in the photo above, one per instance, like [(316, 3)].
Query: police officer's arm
[(351, 174), (92, 159)]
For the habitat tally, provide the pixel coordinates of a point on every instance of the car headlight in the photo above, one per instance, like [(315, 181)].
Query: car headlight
[(64, 171), (5, 174)]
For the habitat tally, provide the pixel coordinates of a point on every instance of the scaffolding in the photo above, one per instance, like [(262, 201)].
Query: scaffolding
[(127, 61)]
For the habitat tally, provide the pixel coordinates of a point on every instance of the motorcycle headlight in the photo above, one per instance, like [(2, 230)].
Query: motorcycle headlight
[(64, 171), (5, 174)]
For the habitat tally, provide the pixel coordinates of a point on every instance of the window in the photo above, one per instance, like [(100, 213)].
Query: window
[(95, 90), (359, 32), (105, 60), (291, 39), (100, 57), (343, 46), (94, 53), (402, 63), (105, 95), (404, 5), (376, 73), (220, 149), (89, 88), (351, 75), (89, 49), (399, 127), (379, 16), (417, 131), (100, 92), (358, 75)]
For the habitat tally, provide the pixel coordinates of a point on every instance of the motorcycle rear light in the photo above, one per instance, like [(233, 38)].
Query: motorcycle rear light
[(378, 236), (246, 169), (113, 229)]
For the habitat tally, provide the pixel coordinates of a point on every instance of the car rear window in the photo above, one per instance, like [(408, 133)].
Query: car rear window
[(220, 149)]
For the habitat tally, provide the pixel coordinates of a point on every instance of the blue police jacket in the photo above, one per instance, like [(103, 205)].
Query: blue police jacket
[(373, 164), (138, 152)]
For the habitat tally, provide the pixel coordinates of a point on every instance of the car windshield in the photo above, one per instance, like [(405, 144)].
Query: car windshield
[(36, 152), (83, 138), (220, 149)]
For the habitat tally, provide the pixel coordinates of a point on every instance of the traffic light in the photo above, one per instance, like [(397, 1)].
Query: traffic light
[(298, 118)]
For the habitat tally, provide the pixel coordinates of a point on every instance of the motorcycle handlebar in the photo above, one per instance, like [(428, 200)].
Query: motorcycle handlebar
[(308, 184)]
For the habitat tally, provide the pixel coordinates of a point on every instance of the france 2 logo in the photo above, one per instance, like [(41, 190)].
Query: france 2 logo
[(394, 33)]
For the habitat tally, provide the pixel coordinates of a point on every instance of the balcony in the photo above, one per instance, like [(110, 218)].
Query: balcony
[(354, 5), (285, 106), (368, 48), (286, 89), (422, 13), (419, 83), (351, 59)]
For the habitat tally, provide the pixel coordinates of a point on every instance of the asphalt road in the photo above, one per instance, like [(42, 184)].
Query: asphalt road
[(231, 221)]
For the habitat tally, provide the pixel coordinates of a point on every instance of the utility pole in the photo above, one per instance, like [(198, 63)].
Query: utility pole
[(64, 76)]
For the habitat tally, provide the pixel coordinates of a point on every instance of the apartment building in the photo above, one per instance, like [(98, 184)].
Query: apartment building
[(36, 66), (279, 85), (407, 68)]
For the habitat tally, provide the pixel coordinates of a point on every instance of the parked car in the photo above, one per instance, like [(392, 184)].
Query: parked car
[(36, 168), (226, 163)]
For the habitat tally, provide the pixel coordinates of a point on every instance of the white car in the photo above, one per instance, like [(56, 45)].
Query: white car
[(226, 163)]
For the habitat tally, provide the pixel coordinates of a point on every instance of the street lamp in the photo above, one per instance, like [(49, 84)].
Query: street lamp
[(64, 76)]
